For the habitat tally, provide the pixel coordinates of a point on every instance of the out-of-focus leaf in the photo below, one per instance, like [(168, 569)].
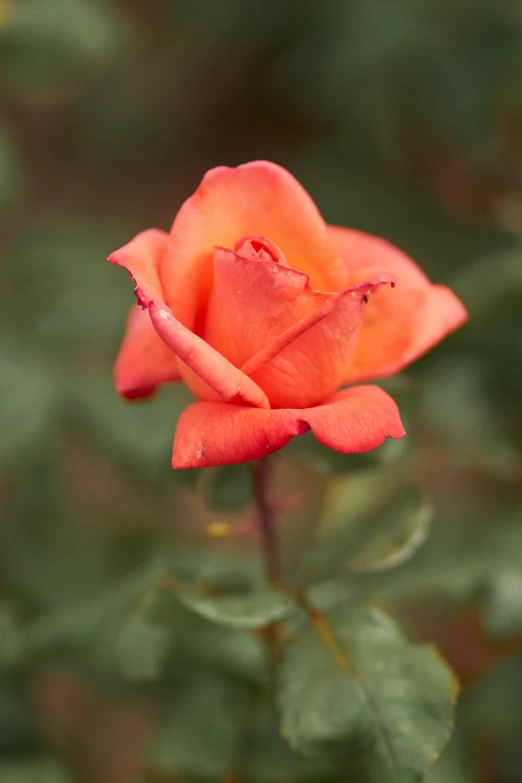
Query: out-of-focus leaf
[(60, 291), (503, 605), (458, 407), (375, 538), (454, 765), (140, 435), (70, 627), (357, 689), (94, 623), (270, 759), (201, 735), (231, 649), (11, 640), (45, 42), (396, 537), (254, 610), (39, 771), (222, 571), (141, 649), (248, 610), (45, 560), (161, 606), (237, 652), (229, 487), (450, 564), (27, 406)]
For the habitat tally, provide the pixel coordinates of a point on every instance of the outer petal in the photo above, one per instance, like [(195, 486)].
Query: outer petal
[(141, 258), (360, 250), (352, 421), (143, 361), (209, 373), (398, 326), (258, 198)]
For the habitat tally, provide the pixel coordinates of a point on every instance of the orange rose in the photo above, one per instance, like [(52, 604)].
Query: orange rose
[(264, 311)]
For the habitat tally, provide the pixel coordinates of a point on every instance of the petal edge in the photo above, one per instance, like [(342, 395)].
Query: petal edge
[(217, 374), (352, 421)]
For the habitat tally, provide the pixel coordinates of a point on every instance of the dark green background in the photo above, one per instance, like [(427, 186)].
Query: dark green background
[(400, 117)]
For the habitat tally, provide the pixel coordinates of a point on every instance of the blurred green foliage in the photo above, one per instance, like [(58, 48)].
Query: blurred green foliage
[(132, 644)]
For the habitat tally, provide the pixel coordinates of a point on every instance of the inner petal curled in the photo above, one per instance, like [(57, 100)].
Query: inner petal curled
[(253, 300), (265, 318), (258, 248)]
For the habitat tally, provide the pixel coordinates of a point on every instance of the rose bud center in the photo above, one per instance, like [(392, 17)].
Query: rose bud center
[(257, 248)]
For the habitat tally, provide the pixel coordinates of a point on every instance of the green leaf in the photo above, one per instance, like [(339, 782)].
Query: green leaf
[(255, 610), (454, 766), (41, 771), (202, 733), (269, 759), (391, 538), (503, 607), (456, 561), (236, 652), (228, 488), (141, 649), (160, 606), (378, 536), (352, 686)]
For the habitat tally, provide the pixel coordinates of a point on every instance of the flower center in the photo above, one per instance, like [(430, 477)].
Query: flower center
[(257, 248)]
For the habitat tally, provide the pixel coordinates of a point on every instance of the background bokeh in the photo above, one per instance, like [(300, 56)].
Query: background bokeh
[(400, 117)]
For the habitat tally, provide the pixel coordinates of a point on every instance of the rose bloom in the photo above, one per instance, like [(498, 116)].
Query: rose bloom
[(264, 311)]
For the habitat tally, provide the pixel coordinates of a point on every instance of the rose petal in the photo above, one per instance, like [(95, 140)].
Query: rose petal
[(210, 374), (253, 302), (143, 361), (257, 198), (295, 342), (308, 362), (352, 421), (398, 326), (285, 339), (394, 333), (141, 258), (360, 250)]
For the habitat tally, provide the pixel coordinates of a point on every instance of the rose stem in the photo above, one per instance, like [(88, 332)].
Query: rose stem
[(266, 521), (266, 527)]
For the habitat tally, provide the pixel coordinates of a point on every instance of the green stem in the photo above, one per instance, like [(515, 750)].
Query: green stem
[(266, 521)]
